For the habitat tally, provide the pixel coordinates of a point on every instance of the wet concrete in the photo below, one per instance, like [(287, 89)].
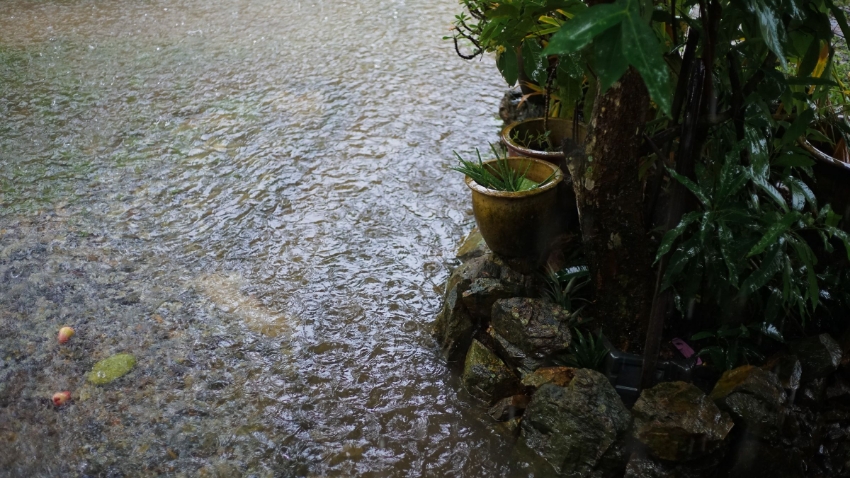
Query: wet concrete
[(253, 198)]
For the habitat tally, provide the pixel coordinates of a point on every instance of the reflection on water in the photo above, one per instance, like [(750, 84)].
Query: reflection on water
[(253, 198)]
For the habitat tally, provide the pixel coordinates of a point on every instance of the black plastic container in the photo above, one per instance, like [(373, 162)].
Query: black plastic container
[(624, 370)]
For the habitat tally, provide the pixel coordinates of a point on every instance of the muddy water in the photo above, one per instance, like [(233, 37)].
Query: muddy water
[(252, 197)]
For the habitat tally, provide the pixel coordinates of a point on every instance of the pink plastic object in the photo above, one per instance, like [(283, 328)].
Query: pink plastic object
[(685, 349)]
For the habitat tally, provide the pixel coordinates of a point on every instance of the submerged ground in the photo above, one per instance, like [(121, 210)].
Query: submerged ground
[(252, 197)]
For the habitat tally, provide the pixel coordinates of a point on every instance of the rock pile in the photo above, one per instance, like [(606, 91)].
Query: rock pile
[(790, 417)]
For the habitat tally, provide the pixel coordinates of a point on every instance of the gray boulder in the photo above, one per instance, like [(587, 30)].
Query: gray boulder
[(473, 246), (536, 327), (485, 376), (754, 398), (513, 355), (454, 326), (560, 376), (492, 279), (677, 422), (512, 109), (819, 356), (641, 466), (580, 429), (509, 408)]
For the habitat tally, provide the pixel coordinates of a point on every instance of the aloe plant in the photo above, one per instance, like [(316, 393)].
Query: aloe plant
[(499, 175)]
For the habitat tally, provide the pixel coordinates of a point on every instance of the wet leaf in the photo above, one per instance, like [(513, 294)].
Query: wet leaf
[(609, 61), (774, 232), (798, 128), (506, 62), (581, 29), (770, 265), (643, 50), (770, 27)]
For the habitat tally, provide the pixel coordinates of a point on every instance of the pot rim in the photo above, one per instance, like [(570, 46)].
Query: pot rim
[(505, 136), (559, 176), (822, 157)]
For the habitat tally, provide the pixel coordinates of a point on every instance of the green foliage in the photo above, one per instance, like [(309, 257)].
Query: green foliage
[(619, 27), (516, 31), (499, 175), (586, 351), (755, 240), (750, 239), (563, 287), (535, 141), (732, 346)]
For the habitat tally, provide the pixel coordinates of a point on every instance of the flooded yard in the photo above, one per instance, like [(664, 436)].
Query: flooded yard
[(252, 198)]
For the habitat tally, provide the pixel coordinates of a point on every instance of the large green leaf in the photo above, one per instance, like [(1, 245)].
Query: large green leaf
[(641, 47), (671, 235), (764, 185), (841, 19), (506, 62), (807, 256), (839, 233), (733, 264), (810, 58), (773, 233), (609, 61), (801, 188), (770, 26), (578, 32), (533, 62), (798, 127), (692, 187), (770, 265)]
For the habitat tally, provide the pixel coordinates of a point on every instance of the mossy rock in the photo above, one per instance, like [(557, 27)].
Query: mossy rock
[(111, 368)]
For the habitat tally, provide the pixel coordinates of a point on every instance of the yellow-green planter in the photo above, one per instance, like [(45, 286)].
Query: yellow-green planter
[(559, 129), (519, 224)]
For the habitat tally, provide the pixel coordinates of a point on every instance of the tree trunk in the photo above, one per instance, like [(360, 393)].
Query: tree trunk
[(610, 203)]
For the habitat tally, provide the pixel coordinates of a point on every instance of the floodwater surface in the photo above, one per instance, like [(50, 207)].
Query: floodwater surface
[(253, 198)]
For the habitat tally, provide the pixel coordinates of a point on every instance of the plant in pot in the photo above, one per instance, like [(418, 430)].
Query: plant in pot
[(514, 203), (516, 32)]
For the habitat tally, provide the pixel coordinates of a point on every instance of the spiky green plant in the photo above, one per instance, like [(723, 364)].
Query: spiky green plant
[(499, 175), (555, 291), (585, 351)]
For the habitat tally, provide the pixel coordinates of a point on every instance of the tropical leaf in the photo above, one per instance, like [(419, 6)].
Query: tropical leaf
[(584, 27), (775, 231)]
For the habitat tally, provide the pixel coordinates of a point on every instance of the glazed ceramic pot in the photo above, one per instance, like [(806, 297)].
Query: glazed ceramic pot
[(519, 224), (558, 130)]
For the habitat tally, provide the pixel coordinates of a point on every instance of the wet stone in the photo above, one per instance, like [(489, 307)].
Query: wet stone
[(838, 392), (789, 371), (536, 327), (473, 246), (111, 368), (485, 376), (755, 458), (642, 466), (512, 109), (580, 429), (819, 356), (560, 376), (483, 293), (454, 326), (811, 393), (509, 408), (754, 398), (513, 355), (677, 422)]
